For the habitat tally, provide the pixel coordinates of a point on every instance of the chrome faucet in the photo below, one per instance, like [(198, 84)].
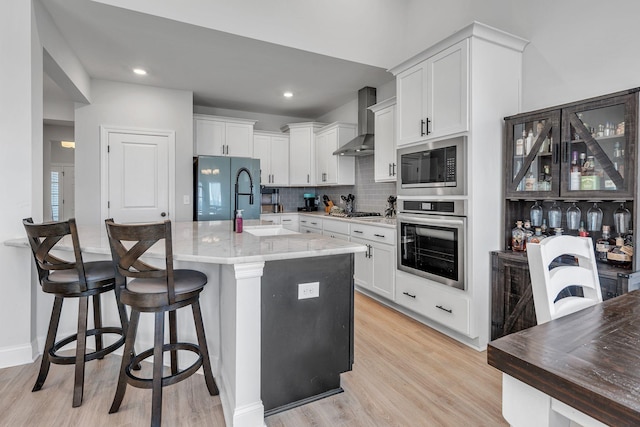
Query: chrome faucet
[(237, 193)]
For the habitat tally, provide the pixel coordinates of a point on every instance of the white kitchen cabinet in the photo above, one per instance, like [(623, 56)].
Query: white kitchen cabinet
[(374, 269), (485, 88), (272, 219), (290, 221), (433, 95), (272, 149), (385, 167), (331, 169), (222, 136), (302, 152), (310, 224), (447, 306), (335, 228)]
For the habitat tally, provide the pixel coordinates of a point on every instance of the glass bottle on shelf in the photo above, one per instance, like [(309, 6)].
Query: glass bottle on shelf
[(544, 227), (618, 160), (555, 216), (520, 146), (530, 182), (574, 174), (573, 217), (590, 180), (528, 232), (537, 236), (604, 244), (622, 219), (581, 231), (536, 214), (518, 241), (594, 218), (528, 143)]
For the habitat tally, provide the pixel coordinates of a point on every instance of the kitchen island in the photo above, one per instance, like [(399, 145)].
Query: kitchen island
[(232, 300)]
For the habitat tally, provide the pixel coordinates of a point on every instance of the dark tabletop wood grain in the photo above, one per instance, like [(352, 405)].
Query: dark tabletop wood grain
[(589, 360)]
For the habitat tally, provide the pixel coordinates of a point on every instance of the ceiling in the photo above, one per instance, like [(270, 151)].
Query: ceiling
[(223, 70)]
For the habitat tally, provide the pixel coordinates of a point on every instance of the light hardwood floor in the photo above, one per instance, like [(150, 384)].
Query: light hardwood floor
[(405, 374)]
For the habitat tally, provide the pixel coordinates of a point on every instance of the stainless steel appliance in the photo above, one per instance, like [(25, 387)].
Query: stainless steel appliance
[(214, 179), (433, 168), (431, 240), (364, 143)]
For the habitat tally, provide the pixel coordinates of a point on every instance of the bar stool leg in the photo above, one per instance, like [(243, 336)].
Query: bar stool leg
[(81, 347), (50, 341), (97, 321), (173, 338), (202, 342), (127, 355), (156, 397)]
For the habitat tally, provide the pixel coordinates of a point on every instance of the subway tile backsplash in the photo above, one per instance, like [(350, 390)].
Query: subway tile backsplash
[(370, 196)]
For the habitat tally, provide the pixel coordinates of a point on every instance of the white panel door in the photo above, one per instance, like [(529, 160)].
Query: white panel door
[(138, 177)]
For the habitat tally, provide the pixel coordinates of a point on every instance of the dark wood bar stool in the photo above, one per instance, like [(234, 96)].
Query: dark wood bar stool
[(72, 279), (156, 290)]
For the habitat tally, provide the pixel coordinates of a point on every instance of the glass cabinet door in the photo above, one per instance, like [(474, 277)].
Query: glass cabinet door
[(532, 155), (599, 148)]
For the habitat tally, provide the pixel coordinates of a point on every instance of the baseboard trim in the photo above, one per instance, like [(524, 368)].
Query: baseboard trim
[(18, 355)]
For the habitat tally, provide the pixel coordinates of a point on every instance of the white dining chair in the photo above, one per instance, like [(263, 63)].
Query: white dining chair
[(547, 283)]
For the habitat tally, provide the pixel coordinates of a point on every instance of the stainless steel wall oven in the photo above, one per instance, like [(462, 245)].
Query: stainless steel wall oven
[(431, 240)]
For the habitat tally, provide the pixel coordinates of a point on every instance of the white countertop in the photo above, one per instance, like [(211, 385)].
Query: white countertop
[(215, 242)]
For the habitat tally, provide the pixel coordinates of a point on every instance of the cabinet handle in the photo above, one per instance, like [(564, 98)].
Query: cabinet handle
[(428, 121), (303, 221), (555, 154), (357, 231), (409, 295), (370, 254), (422, 128), (379, 235), (565, 156), (307, 178), (390, 170), (285, 220), (394, 169), (314, 223), (448, 310), (222, 148)]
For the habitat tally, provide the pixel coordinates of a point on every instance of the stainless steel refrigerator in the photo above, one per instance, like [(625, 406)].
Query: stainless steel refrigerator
[(214, 186)]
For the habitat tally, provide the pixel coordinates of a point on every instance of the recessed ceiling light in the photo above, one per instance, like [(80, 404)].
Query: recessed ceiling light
[(288, 94), (140, 71)]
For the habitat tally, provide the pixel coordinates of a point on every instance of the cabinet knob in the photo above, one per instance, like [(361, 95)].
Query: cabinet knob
[(163, 214)]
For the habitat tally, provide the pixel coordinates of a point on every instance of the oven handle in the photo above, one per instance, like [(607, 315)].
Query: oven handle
[(433, 220)]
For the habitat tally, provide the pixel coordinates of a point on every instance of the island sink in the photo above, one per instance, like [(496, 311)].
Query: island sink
[(269, 230)]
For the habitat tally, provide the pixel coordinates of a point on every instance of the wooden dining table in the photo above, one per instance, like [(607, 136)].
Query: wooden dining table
[(583, 367)]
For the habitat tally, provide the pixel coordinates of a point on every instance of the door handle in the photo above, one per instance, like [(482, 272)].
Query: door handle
[(163, 214)]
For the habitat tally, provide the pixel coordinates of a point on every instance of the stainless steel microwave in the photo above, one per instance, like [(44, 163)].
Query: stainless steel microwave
[(434, 168)]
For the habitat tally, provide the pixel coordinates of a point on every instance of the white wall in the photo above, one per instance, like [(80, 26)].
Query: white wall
[(53, 152), (21, 166), (578, 49), (133, 106)]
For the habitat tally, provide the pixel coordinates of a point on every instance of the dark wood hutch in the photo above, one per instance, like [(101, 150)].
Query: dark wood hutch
[(539, 150)]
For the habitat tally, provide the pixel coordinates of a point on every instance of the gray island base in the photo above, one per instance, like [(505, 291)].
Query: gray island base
[(306, 343)]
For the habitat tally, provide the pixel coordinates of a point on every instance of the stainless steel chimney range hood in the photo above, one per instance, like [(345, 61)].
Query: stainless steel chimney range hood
[(363, 144)]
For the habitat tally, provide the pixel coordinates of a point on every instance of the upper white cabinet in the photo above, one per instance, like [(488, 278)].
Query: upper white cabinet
[(385, 140), (272, 149), (331, 169), (302, 152), (222, 136), (433, 95)]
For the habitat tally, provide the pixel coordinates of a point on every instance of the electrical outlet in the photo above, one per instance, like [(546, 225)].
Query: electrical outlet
[(308, 290), (185, 199)]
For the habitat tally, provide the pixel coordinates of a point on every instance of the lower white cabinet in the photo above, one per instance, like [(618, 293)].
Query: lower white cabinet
[(335, 228), (445, 305), (290, 221), (309, 224), (375, 268)]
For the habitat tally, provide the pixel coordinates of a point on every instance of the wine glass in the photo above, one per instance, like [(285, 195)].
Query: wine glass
[(555, 216), (573, 217), (622, 219), (536, 214), (594, 218)]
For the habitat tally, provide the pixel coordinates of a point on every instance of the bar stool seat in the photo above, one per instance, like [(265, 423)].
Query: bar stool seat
[(72, 279), (146, 288)]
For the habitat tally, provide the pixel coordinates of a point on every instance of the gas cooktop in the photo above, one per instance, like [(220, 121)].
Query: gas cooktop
[(353, 214)]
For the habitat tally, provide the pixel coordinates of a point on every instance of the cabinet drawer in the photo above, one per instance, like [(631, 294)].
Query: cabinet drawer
[(311, 222), (371, 232), (435, 303), (335, 226), (272, 219), (289, 219)]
